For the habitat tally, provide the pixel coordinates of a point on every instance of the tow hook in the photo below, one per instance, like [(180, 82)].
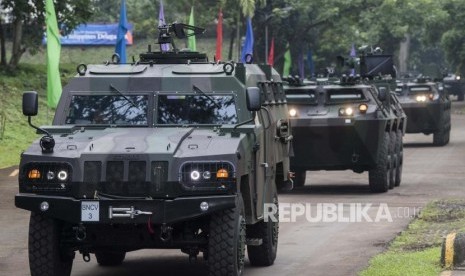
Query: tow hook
[(86, 257), (80, 232), (165, 233), (355, 158)]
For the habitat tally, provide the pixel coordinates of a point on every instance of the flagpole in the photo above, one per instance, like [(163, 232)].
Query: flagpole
[(266, 43)]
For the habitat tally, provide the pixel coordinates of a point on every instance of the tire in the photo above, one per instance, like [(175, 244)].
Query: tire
[(440, 136), (393, 156), (109, 258), (461, 96), (379, 176), (400, 158), (300, 177), (265, 254), (46, 257), (226, 242)]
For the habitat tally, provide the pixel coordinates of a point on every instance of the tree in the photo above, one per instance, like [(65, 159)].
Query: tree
[(28, 21)]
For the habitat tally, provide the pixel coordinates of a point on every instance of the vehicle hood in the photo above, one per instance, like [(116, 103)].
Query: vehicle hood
[(178, 142)]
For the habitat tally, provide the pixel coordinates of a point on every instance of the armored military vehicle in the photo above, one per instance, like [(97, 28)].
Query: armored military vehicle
[(428, 108), (353, 123), (171, 151), (454, 85)]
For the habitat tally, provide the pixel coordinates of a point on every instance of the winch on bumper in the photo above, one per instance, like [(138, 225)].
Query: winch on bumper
[(124, 211)]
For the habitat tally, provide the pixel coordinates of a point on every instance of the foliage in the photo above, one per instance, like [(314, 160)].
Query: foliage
[(28, 21)]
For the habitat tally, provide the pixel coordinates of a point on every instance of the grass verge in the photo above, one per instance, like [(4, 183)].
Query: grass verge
[(17, 133), (417, 250)]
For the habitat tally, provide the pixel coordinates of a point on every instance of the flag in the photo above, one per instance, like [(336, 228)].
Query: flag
[(122, 30), (271, 54), (161, 22), (301, 63), (219, 36), (247, 49), (311, 65), (287, 63), (352, 54), (191, 39), (53, 55)]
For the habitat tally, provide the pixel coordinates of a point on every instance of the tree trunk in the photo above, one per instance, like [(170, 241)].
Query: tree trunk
[(238, 37), (17, 51), (231, 44), (404, 54), (2, 45)]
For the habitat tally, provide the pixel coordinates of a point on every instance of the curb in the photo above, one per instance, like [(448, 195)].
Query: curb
[(453, 251)]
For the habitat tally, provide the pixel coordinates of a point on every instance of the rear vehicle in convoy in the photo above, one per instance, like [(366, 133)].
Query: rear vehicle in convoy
[(169, 152), (454, 85), (428, 108), (348, 124)]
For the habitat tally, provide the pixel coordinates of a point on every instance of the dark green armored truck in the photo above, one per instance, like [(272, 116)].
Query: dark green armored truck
[(352, 123), (171, 151), (427, 107)]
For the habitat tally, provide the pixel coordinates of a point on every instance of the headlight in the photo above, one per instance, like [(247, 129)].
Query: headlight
[(457, 77), (346, 111), (420, 98), (45, 177), (195, 175), (292, 112), (363, 108), (62, 175), (214, 175)]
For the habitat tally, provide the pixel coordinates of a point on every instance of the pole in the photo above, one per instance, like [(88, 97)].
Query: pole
[(266, 43)]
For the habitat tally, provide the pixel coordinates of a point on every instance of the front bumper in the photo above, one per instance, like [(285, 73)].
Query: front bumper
[(163, 211), (336, 143), (424, 117)]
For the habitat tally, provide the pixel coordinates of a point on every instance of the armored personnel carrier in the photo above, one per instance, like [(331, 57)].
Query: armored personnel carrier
[(428, 108), (352, 123), (171, 151), (454, 85)]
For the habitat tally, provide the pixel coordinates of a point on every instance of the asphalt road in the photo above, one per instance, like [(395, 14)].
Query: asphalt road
[(305, 248)]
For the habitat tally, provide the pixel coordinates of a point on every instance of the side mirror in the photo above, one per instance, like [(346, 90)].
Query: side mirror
[(253, 99), (30, 103), (382, 94)]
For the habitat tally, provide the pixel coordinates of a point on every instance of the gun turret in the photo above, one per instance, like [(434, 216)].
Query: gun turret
[(166, 36)]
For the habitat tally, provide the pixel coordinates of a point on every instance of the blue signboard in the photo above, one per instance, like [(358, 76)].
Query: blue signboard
[(94, 34)]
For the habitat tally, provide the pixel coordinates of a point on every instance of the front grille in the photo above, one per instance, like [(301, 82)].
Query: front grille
[(159, 176), (92, 172), (207, 183)]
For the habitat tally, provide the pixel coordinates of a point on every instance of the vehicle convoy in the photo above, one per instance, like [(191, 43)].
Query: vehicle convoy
[(170, 152), (352, 123), (454, 85), (428, 108)]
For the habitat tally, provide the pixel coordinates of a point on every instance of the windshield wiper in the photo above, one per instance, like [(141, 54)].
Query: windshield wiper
[(197, 90), (112, 88)]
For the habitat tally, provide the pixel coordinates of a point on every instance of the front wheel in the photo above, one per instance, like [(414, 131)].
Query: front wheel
[(300, 177), (267, 231), (47, 257), (379, 176), (226, 242)]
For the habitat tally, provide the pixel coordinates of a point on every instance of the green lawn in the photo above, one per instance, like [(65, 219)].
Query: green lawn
[(417, 250)]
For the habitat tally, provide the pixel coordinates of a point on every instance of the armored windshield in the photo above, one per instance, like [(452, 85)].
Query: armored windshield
[(345, 95), (108, 109), (415, 90), (196, 109), (301, 95)]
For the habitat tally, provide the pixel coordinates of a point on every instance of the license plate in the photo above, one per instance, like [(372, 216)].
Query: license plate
[(90, 211)]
